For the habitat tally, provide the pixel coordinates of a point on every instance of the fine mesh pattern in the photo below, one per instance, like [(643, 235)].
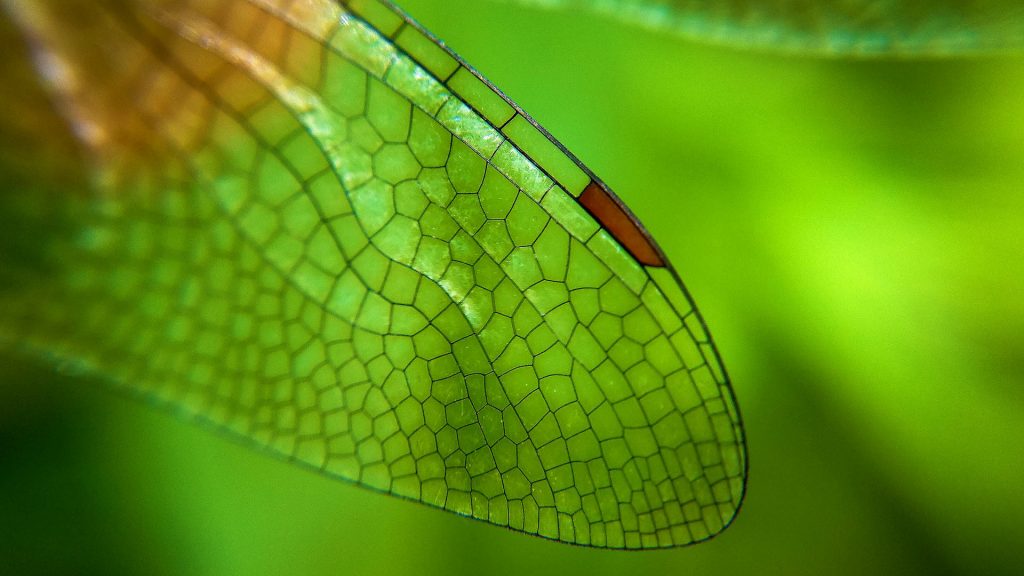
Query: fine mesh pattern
[(304, 232)]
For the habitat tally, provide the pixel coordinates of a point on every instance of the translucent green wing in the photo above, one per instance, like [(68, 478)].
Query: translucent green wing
[(315, 227), (830, 27)]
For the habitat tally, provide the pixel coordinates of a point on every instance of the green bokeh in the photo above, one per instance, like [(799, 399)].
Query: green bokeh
[(852, 232)]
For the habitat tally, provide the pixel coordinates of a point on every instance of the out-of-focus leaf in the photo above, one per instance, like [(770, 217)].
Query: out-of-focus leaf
[(926, 28)]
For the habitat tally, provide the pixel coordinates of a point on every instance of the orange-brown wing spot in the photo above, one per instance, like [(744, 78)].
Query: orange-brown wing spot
[(620, 224)]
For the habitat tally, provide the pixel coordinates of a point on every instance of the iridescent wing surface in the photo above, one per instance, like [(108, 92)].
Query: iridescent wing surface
[(313, 226)]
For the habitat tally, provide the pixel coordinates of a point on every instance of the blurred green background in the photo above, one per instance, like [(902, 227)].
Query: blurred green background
[(853, 232)]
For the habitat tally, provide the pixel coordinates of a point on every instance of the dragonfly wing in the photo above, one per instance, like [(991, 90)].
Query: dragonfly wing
[(313, 226), (914, 28)]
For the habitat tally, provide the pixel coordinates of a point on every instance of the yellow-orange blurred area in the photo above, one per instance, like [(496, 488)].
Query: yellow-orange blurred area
[(122, 92)]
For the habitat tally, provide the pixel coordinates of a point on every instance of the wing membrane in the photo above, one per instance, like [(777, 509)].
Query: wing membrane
[(906, 28), (314, 226)]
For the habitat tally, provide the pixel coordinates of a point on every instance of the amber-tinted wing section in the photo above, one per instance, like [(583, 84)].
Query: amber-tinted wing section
[(620, 224)]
